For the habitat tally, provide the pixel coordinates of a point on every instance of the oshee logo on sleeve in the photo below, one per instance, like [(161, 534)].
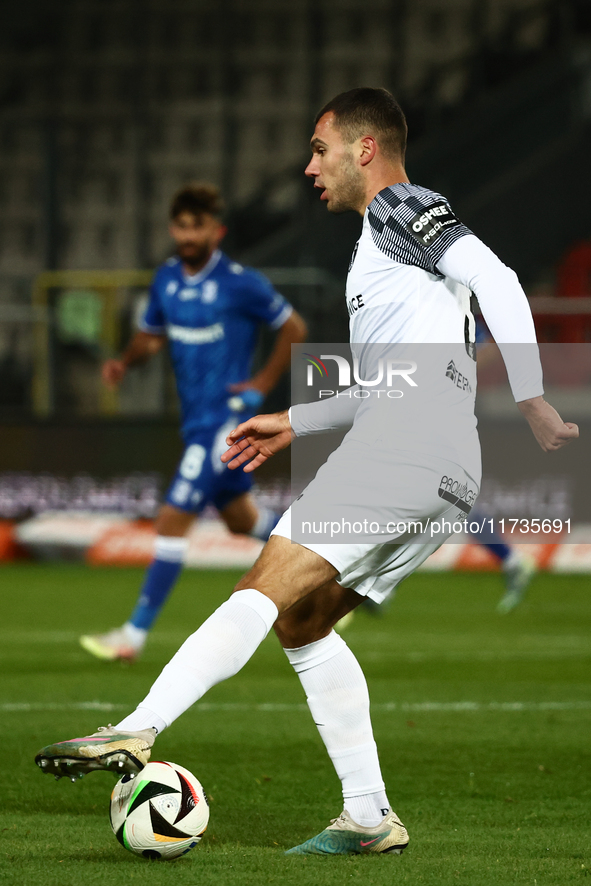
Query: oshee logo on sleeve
[(429, 225)]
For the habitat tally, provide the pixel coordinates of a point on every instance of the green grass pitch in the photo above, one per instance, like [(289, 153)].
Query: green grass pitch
[(483, 724)]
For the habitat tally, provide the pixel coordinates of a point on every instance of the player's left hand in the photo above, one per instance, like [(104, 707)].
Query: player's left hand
[(256, 440), (244, 398), (548, 428)]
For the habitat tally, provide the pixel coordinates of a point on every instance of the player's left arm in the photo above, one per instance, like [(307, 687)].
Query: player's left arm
[(292, 332), (548, 428), (508, 316)]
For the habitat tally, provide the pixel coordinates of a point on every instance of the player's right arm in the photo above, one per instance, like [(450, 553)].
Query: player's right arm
[(141, 347), (256, 440), (146, 342)]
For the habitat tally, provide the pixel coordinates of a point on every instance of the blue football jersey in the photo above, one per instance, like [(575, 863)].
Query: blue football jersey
[(211, 320)]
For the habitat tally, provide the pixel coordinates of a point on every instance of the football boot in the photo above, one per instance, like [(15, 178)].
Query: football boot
[(109, 749), (344, 837), (112, 646), (518, 576)]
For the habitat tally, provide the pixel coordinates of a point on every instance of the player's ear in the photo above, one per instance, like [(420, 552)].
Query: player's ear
[(368, 149), (222, 231)]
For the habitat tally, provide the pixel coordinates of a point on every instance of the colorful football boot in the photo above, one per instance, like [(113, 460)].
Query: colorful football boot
[(112, 646), (107, 749), (344, 837)]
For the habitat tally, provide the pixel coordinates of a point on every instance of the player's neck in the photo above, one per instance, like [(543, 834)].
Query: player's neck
[(384, 178), (190, 270)]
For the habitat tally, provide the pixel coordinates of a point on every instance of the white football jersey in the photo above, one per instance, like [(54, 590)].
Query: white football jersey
[(396, 296), (412, 436), (394, 291)]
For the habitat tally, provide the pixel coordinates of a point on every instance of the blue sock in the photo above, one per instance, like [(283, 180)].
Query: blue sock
[(500, 550), (159, 581), (490, 538), (266, 522)]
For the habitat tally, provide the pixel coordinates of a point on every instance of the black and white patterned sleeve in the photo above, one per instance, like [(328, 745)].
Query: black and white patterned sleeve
[(414, 226)]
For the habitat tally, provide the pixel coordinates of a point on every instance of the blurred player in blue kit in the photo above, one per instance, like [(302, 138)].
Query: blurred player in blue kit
[(209, 309)]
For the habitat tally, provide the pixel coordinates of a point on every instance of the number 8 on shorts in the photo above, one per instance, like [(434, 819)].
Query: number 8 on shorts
[(192, 463)]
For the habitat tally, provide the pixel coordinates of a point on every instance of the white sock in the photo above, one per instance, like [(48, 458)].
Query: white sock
[(513, 560), (141, 718), (136, 637), (368, 810), (338, 699), (171, 548), (217, 650), (266, 521)]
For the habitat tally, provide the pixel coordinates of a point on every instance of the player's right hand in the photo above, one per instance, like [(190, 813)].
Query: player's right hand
[(256, 440), (112, 372)]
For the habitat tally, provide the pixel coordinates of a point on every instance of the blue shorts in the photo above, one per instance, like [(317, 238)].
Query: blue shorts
[(201, 478)]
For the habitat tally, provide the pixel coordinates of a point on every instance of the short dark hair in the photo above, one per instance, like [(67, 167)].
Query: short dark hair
[(369, 111), (196, 198)]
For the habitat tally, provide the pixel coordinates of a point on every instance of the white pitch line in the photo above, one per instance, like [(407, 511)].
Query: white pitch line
[(25, 706), (549, 649), (572, 649), (403, 707)]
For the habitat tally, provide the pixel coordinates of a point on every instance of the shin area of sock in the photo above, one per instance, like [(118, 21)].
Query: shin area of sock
[(217, 650)]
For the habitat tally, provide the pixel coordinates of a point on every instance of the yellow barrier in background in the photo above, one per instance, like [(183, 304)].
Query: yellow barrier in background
[(107, 285)]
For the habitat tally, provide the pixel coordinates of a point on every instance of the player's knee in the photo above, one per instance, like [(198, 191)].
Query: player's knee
[(172, 522), (294, 631), (240, 516), (290, 634), (240, 525)]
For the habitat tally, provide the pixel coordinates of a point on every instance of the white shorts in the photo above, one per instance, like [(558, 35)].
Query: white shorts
[(422, 503)]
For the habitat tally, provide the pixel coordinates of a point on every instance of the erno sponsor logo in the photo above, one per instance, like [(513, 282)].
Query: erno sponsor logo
[(457, 492), (431, 224), (459, 380)]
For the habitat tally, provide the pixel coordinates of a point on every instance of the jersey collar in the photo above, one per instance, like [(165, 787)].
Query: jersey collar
[(193, 279)]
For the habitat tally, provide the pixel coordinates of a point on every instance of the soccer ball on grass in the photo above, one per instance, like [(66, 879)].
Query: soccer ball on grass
[(159, 813)]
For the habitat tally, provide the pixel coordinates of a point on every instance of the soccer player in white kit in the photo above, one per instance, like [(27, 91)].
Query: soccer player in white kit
[(414, 266)]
